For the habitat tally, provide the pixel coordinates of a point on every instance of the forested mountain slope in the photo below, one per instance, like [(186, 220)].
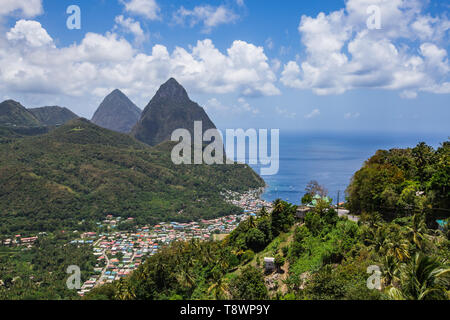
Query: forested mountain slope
[(78, 173)]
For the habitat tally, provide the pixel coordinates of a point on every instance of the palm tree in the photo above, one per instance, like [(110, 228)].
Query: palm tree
[(251, 222), (377, 239), (185, 277), (264, 212), (398, 248), (223, 262), (160, 271), (374, 219), (278, 206), (417, 231), (390, 270), (123, 291), (144, 274), (422, 279), (207, 253), (219, 288)]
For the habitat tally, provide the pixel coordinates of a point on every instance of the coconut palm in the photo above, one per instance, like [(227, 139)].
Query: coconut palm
[(423, 278), (207, 253), (390, 270), (417, 231), (185, 277), (264, 212), (123, 291), (219, 289), (374, 219), (278, 207), (398, 248), (377, 238), (251, 222), (222, 262)]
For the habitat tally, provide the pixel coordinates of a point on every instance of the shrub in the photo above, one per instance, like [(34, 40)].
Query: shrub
[(249, 285), (247, 256), (255, 240)]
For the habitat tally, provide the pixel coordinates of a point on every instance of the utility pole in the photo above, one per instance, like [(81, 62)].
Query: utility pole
[(339, 191)]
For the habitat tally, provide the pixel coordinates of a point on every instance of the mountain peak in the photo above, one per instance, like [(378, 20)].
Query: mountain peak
[(172, 90), (116, 92), (11, 102), (169, 109), (53, 115), (12, 113), (117, 112)]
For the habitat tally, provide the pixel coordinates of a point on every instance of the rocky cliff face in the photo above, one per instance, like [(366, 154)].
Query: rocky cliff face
[(117, 113), (170, 109)]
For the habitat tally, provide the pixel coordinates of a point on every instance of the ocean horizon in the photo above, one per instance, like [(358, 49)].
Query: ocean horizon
[(330, 158)]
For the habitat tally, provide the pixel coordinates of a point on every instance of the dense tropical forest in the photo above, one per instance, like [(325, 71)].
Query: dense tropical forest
[(75, 175), (401, 182), (39, 273), (322, 256)]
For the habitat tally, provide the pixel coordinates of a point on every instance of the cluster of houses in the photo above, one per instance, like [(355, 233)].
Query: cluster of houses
[(18, 240), (112, 222), (120, 252), (250, 201)]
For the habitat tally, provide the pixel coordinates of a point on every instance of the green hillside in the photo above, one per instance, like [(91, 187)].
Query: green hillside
[(13, 113), (83, 172), (53, 116)]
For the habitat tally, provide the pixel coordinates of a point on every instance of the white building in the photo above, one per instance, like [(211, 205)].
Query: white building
[(269, 264)]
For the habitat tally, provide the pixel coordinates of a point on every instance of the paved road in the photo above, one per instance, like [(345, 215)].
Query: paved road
[(97, 242), (345, 213)]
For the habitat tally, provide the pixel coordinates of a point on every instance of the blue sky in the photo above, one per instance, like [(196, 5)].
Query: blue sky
[(293, 65)]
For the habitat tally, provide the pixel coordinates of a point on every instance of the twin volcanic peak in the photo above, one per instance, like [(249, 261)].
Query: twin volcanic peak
[(117, 113), (170, 109)]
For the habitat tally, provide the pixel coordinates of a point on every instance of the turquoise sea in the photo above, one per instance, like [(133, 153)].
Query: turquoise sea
[(331, 159)]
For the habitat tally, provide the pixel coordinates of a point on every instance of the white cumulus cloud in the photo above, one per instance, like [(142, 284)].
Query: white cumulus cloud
[(25, 8), (146, 8), (31, 64), (30, 32), (129, 25), (207, 15), (407, 54)]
